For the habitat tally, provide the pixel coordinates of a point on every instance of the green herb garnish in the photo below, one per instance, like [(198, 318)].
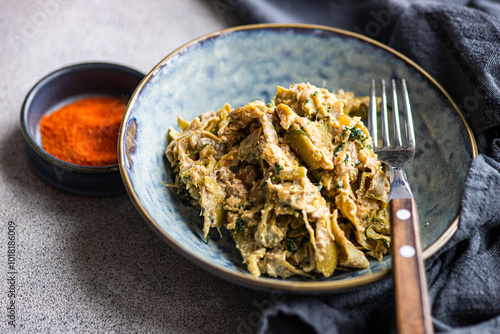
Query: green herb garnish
[(239, 225), (338, 149), (291, 246), (356, 133), (279, 168), (197, 150)]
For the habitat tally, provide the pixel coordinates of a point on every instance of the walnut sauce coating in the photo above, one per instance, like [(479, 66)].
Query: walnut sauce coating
[(295, 181)]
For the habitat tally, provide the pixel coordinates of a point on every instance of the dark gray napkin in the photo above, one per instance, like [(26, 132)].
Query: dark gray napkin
[(458, 43)]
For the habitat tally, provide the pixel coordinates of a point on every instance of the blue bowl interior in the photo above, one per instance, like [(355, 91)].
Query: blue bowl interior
[(239, 66)]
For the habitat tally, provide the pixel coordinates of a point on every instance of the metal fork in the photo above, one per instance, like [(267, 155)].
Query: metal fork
[(410, 285)]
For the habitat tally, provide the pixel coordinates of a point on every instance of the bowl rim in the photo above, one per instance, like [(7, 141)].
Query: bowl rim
[(38, 149), (264, 283)]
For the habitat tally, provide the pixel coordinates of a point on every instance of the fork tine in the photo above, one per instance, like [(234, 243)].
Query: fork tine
[(372, 115), (413, 312), (410, 132), (386, 142), (395, 111)]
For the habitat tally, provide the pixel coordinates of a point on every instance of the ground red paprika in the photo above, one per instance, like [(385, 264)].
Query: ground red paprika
[(84, 132)]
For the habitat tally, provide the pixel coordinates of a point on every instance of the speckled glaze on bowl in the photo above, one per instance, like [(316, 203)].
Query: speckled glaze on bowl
[(51, 93), (247, 63)]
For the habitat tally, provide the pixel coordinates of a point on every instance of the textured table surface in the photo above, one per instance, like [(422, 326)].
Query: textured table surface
[(92, 265)]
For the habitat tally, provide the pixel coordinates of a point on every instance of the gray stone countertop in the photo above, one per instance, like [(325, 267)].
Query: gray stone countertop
[(92, 265)]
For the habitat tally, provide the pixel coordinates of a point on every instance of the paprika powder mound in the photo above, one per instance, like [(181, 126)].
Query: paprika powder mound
[(84, 132)]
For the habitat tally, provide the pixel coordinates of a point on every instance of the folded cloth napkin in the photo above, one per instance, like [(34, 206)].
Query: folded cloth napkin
[(458, 43)]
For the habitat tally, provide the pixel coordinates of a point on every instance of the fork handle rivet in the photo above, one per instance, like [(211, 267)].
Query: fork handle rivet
[(407, 251), (403, 214)]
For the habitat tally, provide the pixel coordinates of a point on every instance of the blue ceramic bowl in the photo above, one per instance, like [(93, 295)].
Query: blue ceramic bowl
[(243, 64), (52, 92)]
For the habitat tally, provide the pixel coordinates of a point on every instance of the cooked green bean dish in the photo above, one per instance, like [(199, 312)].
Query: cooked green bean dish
[(295, 181)]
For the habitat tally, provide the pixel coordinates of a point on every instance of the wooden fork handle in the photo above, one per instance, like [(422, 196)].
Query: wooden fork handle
[(413, 313)]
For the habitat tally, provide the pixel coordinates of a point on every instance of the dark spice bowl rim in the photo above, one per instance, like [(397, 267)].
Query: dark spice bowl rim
[(34, 91)]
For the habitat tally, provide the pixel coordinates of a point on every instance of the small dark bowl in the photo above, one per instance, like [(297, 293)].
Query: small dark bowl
[(51, 92)]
